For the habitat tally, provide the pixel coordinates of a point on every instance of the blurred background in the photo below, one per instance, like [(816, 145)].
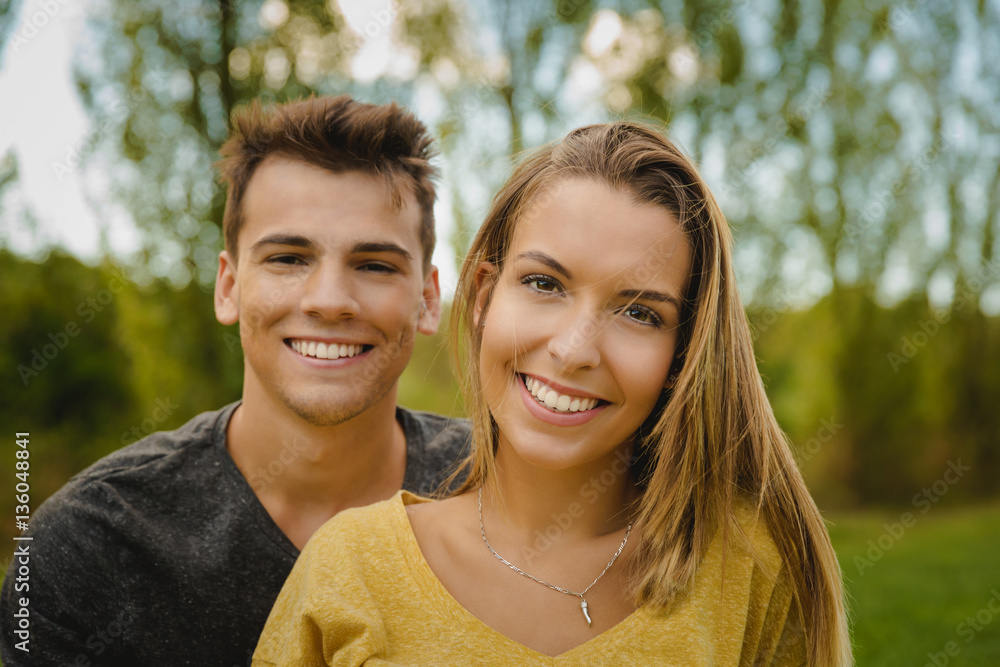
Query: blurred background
[(854, 146)]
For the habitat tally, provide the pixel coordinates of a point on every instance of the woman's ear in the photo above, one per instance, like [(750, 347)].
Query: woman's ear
[(486, 276), (675, 372)]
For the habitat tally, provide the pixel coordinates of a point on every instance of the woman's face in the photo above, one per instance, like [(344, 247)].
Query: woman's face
[(582, 322)]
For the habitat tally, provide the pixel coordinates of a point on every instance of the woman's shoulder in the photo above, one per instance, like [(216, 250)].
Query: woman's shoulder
[(372, 528)]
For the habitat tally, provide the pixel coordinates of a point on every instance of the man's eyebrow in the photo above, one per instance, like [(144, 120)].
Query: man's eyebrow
[(649, 295), (284, 239), (547, 260), (381, 246)]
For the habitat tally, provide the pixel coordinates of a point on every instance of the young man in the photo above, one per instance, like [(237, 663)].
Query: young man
[(172, 550)]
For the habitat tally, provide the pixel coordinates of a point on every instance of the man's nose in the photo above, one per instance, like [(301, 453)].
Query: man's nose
[(329, 292)]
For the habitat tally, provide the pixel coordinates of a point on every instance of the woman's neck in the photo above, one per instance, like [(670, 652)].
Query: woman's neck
[(566, 505)]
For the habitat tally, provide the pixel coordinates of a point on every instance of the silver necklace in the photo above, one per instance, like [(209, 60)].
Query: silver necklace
[(583, 600)]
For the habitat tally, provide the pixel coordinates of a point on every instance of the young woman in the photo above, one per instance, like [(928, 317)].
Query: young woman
[(630, 499)]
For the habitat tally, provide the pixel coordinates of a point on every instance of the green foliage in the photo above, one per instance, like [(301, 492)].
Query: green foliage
[(94, 362), (922, 591), (428, 382), (842, 139), (878, 401)]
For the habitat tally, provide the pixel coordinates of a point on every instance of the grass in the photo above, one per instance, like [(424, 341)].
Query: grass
[(912, 598)]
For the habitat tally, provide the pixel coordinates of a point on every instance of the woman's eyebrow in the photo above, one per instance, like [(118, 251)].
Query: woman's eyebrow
[(635, 294), (547, 260)]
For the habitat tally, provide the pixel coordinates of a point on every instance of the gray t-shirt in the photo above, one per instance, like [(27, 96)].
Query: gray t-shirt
[(161, 554)]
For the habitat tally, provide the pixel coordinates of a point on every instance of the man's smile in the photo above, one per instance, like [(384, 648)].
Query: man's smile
[(317, 349)]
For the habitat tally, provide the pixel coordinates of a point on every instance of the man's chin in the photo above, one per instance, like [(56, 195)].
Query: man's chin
[(327, 411)]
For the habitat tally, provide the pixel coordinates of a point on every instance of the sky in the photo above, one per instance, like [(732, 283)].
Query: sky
[(47, 127), (44, 127)]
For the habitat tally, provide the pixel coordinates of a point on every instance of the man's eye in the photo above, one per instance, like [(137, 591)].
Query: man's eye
[(540, 283), (285, 259), (379, 268)]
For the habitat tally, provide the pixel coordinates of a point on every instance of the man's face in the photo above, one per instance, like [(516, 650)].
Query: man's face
[(328, 290)]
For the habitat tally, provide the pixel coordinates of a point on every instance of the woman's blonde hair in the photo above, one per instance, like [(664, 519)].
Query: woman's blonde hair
[(714, 440)]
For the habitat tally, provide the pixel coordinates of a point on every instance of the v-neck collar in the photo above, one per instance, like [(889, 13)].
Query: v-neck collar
[(445, 604)]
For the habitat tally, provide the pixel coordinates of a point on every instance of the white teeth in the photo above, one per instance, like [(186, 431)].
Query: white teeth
[(321, 350), (553, 400)]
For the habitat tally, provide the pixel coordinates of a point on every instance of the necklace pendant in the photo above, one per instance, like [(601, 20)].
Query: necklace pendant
[(583, 608)]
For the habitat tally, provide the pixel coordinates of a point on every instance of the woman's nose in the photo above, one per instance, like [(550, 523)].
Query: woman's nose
[(575, 345)]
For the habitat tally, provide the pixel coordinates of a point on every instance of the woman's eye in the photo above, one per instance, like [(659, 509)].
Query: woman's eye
[(541, 283), (641, 314)]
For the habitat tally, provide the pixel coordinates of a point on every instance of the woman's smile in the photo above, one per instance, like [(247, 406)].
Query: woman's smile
[(557, 408)]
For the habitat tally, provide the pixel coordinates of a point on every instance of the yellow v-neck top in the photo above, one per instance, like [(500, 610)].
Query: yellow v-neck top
[(362, 593)]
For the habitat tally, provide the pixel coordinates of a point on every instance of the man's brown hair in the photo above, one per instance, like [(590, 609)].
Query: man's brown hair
[(337, 134)]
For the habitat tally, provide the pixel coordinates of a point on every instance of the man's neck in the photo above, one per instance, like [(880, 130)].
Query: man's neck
[(305, 474)]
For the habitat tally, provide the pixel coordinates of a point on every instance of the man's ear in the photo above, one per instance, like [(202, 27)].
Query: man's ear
[(430, 306), (227, 310), (486, 278)]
